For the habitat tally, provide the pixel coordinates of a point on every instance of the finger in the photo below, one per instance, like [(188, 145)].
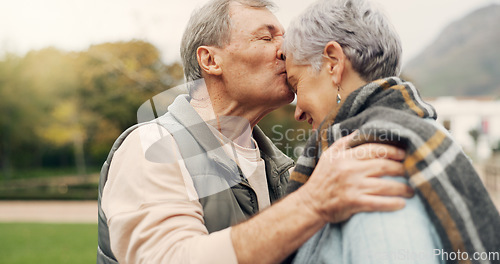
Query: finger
[(382, 167), (372, 203), (377, 151), (387, 187)]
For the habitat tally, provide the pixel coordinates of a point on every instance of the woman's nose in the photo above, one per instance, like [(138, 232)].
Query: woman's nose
[(299, 114)]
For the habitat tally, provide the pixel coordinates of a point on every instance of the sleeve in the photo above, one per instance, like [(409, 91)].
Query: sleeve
[(152, 208), (406, 236)]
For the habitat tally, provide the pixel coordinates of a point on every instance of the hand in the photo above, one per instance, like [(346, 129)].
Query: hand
[(346, 181)]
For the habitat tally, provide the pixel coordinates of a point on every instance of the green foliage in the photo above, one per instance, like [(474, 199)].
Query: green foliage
[(122, 76), (61, 183), (21, 106), (116, 79), (80, 192), (48, 172), (22, 243), (59, 107)]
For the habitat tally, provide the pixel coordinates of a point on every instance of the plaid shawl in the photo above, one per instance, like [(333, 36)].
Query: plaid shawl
[(391, 111)]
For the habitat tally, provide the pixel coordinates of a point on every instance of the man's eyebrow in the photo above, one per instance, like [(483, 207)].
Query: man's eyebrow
[(269, 27)]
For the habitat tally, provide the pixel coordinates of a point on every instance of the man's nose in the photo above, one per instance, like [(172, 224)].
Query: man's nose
[(280, 54), (299, 114)]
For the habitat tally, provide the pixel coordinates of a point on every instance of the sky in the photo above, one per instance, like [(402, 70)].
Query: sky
[(74, 25)]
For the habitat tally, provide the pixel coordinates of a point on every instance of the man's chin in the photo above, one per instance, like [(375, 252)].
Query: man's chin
[(288, 96), (282, 101), (282, 97)]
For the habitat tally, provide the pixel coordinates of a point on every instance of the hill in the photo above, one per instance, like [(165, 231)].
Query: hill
[(464, 60)]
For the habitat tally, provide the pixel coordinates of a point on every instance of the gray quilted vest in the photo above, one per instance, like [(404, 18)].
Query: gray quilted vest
[(225, 194)]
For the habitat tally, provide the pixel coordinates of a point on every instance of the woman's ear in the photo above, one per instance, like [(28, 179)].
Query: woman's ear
[(335, 61), (208, 60)]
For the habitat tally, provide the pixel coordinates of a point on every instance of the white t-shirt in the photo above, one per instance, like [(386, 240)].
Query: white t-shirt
[(251, 164)]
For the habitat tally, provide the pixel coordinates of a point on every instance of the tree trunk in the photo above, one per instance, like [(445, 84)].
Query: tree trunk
[(5, 161), (79, 155)]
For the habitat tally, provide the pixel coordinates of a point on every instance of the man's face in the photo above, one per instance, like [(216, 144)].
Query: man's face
[(253, 71)]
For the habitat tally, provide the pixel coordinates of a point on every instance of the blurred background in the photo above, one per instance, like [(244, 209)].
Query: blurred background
[(73, 74)]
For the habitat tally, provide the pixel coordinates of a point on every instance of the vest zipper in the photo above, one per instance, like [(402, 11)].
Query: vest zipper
[(244, 182)]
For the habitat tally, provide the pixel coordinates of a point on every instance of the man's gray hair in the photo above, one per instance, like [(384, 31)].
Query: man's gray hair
[(210, 25), (365, 34)]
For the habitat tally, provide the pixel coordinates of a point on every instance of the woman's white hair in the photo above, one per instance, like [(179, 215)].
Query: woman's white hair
[(210, 25), (365, 34)]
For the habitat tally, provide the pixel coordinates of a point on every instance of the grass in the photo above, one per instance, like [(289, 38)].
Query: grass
[(47, 243)]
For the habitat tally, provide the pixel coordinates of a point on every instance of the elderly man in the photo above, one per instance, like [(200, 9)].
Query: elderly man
[(184, 212)]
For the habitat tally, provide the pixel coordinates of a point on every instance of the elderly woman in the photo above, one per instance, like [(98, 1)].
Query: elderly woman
[(343, 57)]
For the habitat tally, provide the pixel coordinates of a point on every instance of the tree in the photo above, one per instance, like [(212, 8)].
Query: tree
[(78, 101), (116, 78), (22, 106)]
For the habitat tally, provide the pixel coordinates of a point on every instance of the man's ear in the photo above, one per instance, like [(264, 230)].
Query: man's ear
[(208, 61), (335, 61)]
